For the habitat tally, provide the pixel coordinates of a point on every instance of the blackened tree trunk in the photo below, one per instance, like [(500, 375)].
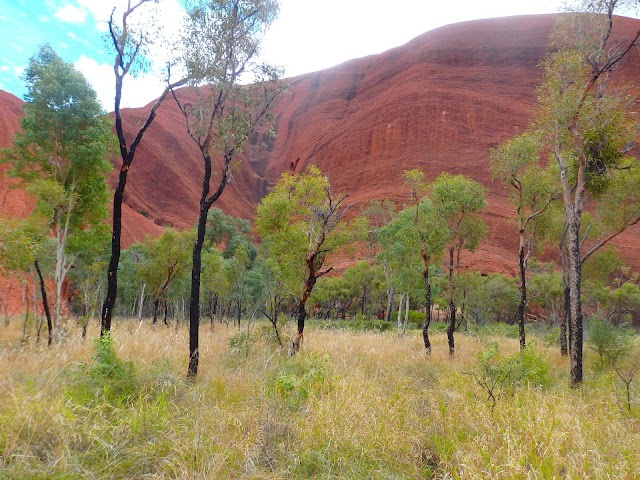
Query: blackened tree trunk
[(194, 299), (156, 306), (127, 49), (522, 305), (114, 261), (301, 312), (205, 205), (45, 304), (427, 318), (452, 306)]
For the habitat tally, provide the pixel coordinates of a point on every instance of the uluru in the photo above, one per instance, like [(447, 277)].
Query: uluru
[(439, 102)]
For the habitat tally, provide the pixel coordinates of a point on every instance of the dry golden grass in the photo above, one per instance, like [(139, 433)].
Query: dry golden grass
[(350, 405)]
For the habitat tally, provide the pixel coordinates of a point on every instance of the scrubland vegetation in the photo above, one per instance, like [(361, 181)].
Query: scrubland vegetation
[(350, 404)]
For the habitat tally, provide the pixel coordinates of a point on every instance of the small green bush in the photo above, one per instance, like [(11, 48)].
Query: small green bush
[(107, 378), (611, 343), (297, 380), (498, 375)]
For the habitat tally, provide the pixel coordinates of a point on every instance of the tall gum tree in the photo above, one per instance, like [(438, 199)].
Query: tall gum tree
[(61, 155), (515, 164), (131, 51), (589, 128), (431, 233), (457, 200), (301, 221), (220, 45)]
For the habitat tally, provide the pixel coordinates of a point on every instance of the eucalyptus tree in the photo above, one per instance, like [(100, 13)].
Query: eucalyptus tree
[(220, 46), (515, 163), (237, 269), (589, 128), (432, 233), (61, 155), (364, 282), (302, 221), (214, 283), (165, 259), (413, 241), (131, 43), (23, 243), (457, 201), (378, 214)]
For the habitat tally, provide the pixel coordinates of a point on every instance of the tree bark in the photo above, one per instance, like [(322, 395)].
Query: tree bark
[(45, 304), (114, 261), (564, 321), (575, 321), (144, 285), (427, 317), (452, 306), (522, 305), (156, 305), (301, 316)]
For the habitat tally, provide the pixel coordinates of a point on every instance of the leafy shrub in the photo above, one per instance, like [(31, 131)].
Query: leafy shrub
[(108, 378), (417, 317), (498, 375), (609, 342), (296, 381), (357, 325), (260, 333)]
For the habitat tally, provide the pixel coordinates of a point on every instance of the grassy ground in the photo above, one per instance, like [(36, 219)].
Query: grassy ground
[(350, 405)]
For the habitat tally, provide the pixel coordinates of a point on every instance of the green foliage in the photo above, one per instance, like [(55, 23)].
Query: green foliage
[(63, 120), (165, 260), (300, 220), (298, 380), (358, 324), (107, 379), (609, 342), (492, 297), (498, 375), (61, 157)]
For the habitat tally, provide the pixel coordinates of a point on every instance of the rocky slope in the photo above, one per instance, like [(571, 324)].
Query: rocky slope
[(440, 102)]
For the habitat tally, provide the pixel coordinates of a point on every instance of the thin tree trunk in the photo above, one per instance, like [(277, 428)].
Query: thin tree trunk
[(427, 303), (400, 314), (390, 302), (406, 316), (45, 304), (196, 269), (25, 296), (452, 307), (112, 272), (301, 315), (522, 264), (164, 301), (565, 317), (144, 285), (156, 305), (575, 323)]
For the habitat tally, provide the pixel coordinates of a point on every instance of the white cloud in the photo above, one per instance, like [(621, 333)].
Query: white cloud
[(18, 70), (71, 14), (137, 91), (72, 35), (356, 28), (43, 18)]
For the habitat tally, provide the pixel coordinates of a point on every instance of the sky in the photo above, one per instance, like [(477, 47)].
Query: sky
[(309, 35)]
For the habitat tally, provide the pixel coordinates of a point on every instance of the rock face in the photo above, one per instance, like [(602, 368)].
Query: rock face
[(440, 102)]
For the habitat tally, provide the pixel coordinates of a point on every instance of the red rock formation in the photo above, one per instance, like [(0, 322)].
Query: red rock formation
[(440, 102)]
